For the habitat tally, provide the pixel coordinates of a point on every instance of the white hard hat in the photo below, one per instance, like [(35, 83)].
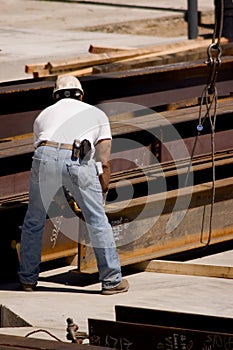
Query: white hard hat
[(68, 82)]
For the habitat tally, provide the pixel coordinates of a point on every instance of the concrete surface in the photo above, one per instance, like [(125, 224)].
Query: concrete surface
[(39, 31), (34, 31), (61, 294)]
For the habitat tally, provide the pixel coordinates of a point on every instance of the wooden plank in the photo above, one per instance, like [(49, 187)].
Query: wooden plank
[(88, 60), (101, 49), (32, 67), (78, 73), (189, 50), (137, 62), (184, 268), (188, 45), (124, 335), (108, 57), (152, 59), (42, 69), (40, 73)]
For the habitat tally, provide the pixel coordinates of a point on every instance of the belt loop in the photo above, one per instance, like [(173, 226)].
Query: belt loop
[(58, 146)]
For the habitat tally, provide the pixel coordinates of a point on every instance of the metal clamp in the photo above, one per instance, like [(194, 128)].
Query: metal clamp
[(214, 52)]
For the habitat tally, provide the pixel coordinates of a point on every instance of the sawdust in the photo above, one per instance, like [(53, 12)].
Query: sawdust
[(163, 27)]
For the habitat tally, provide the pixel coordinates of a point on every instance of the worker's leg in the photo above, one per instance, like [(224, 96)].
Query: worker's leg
[(41, 192), (87, 192)]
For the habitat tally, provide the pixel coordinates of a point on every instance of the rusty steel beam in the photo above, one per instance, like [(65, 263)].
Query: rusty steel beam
[(148, 136), (173, 319), (142, 231), (15, 161), (146, 183), (151, 87), (14, 342), (55, 245), (121, 335)]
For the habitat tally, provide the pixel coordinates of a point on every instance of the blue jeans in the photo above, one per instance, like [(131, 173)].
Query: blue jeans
[(51, 169)]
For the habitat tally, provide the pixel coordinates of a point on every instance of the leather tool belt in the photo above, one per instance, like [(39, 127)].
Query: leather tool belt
[(56, 145)]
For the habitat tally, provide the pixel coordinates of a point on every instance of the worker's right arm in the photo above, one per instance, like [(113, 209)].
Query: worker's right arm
[(102, 154)]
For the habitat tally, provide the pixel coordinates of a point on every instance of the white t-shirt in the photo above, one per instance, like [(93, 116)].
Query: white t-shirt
[(70, 119)]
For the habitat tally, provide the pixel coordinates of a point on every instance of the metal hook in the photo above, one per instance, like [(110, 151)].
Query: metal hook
[(214, 61)]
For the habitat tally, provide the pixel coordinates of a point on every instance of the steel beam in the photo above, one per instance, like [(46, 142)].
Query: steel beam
[(145, 229), (16, 342), (175, 82), (125, 335), (177, 319), (151, 86)]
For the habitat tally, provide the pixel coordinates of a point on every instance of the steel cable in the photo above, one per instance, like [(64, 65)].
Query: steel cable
[(209, 99)]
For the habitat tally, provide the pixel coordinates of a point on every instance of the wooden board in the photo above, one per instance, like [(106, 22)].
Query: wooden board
[(108, 57), (182, 268)]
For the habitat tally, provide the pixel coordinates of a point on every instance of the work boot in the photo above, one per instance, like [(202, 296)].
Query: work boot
[(122, 287), (27, 287)]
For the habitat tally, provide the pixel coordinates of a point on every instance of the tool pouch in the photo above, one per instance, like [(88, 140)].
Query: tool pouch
[(76, 150), (81, 150), (85, 150)]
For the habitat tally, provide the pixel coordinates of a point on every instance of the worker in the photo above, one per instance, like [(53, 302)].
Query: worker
[(72, 142)]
